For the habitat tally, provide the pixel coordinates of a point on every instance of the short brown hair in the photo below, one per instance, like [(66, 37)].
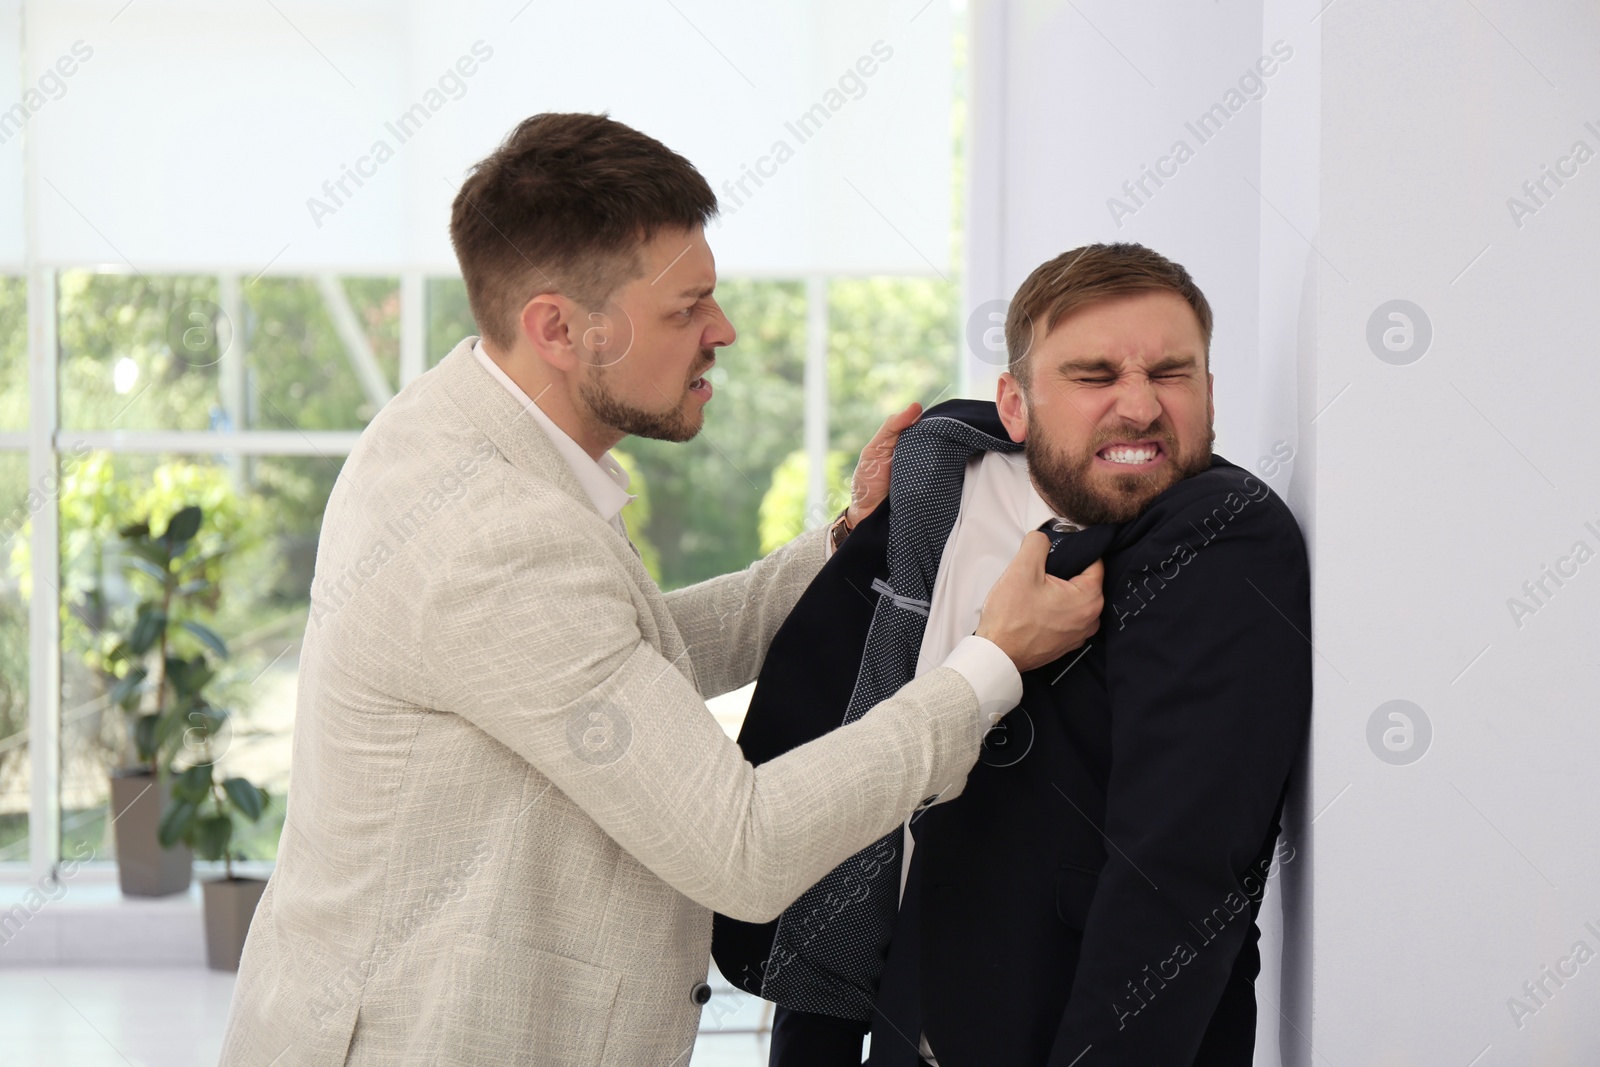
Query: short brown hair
[(1086, 276), (562, 206)]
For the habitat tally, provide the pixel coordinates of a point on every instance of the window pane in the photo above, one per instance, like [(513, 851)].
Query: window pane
[(302, 372), (449, 317), (159, 352), (15, 777), (891, 341), (132, 357), (264, 514), (13, 353)]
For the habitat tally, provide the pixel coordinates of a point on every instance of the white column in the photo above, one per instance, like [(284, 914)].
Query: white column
[(985, 289), (1098, 96), (816, 401), (1456, 516), (44, 490), (44, 608)]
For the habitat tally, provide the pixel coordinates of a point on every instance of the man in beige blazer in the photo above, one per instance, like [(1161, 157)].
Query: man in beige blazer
[(513, 814)]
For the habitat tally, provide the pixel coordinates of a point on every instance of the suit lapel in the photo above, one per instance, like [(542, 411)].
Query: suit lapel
[(491, 408), (495, 413), (1071, 552)]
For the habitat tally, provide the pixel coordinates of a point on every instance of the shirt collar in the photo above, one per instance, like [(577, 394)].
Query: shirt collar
[(603, 480), (1035, 512)]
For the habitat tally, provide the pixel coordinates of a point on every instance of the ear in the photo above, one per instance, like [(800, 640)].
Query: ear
[(1013, 405), (547, 323)]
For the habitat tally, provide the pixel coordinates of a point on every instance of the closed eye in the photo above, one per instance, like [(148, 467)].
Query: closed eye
[(1170, 376)]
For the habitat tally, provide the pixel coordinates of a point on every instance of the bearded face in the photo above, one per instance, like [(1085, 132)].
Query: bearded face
[(1117, 408), (646, 353)]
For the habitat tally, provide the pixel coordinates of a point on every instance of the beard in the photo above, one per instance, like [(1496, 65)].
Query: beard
[(1068, 483), (677, 423)]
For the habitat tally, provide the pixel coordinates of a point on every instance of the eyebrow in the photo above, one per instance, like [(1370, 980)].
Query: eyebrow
[(699, 292), (1105, 366), (1079, 366), (1173, 363)]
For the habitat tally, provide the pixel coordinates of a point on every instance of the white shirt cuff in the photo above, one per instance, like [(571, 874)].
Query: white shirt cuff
[(991, 674)]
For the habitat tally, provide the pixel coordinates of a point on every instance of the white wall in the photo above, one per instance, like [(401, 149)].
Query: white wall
[(1439, 488), (1431, 882)]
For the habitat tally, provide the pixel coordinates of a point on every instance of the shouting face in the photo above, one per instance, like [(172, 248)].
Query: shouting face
[(652, 345)]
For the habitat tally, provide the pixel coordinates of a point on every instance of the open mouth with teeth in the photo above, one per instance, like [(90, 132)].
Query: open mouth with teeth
[(701, 386), (1138, 454)]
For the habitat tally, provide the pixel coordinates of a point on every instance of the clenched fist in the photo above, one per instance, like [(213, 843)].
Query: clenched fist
[(1037, 618)]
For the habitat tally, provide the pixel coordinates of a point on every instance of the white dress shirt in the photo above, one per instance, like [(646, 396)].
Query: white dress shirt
[(999, 505)]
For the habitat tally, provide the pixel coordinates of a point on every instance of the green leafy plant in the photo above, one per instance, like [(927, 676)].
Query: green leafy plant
[(203, 811), (170, 712), (162, 692)]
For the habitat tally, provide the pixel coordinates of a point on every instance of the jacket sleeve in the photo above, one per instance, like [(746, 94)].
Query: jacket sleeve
[(1209, 677), (533, 636), (728, 621)]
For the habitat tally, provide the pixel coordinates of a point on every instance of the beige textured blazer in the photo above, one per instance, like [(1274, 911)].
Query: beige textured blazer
[(512, 813)]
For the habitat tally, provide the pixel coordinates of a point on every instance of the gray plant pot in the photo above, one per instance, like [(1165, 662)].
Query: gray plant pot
[(229, 905), (144, 868)]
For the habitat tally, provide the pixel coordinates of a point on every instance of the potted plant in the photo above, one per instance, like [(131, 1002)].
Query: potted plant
[(202, 814), (158, 690)]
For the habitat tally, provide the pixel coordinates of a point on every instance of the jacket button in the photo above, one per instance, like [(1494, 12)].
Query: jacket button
[(700, 994)]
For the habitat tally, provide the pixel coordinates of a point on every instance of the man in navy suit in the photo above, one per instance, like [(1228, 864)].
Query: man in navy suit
[(1090, 896)]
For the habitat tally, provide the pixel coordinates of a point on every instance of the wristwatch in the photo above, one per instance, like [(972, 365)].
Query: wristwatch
[(840, 529)]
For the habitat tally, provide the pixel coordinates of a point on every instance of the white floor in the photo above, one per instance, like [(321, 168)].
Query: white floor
[(174, 1017)]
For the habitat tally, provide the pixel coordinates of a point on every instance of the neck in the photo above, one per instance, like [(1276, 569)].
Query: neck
[(555, 394)]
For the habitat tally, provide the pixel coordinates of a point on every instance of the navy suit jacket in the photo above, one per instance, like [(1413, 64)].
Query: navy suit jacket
[(1090, 898)]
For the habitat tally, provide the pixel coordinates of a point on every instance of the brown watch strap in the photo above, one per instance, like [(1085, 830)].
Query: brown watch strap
[(840, 529)]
